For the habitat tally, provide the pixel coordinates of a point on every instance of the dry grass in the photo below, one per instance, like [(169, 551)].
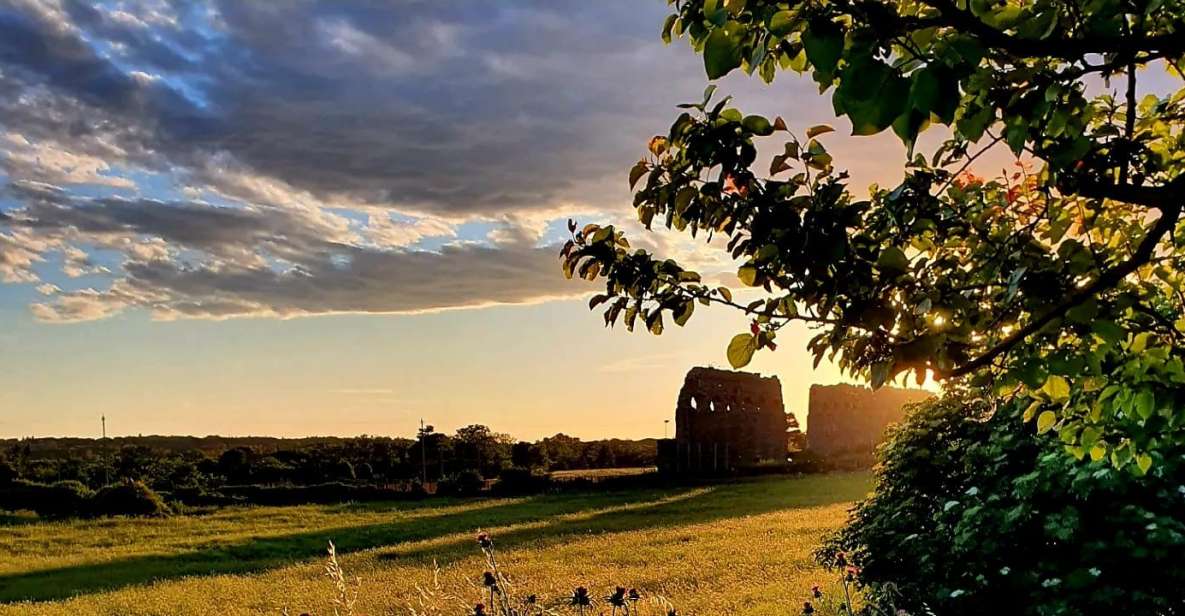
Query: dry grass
[(742, 547), (600, 473)]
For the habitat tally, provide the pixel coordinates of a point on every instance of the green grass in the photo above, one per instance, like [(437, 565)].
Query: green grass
[(741, 546)]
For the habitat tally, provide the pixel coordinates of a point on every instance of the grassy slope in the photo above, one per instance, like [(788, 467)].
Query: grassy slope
[(744, 545)]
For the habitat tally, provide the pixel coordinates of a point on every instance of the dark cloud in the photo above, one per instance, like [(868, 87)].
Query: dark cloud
[(238, 146)]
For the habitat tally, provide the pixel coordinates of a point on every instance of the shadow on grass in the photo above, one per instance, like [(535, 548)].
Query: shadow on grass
[(544, 518)]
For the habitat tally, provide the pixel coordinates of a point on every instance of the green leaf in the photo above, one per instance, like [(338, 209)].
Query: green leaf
[(638, 171), (1143, 462), (1045, 421), (879, 373), (1031, 411), (1057, 388), (823, 41), (758, 125), (1145, 403), (714, 13), (781, 23), (667, 26), (973, 122), (893, 261), (1108, 331), (722, 52), (747, 275), (683, 312), (740, 350)]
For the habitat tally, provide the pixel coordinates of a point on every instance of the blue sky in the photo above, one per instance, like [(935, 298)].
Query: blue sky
[(241, 217)]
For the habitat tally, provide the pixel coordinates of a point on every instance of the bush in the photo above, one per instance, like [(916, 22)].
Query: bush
[(196, 496), (131, 498), (59, 500), (806, 462), (8, 472), (975, 513), (518, 480), (464, 483)]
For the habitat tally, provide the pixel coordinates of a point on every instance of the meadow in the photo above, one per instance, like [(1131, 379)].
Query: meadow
[(743, 547)]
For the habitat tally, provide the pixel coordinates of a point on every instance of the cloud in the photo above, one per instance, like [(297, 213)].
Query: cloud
[(236, 159)]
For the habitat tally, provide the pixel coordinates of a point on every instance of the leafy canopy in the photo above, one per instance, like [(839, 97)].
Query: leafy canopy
[(1061, 282)]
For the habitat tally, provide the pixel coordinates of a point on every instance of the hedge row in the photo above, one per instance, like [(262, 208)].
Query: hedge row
[(71, 499)]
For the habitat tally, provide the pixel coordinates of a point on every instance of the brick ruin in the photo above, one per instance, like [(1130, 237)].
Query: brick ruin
[(847, 419), (727, 420)]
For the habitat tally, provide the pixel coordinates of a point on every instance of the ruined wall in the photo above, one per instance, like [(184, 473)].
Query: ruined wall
[(726, 420), (847, 419)]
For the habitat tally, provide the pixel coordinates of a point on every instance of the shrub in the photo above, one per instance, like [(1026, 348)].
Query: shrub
[(131, 498), (518, 480), (58, 500), (975, 513), (464, 483), (8, 473), (806, 462)]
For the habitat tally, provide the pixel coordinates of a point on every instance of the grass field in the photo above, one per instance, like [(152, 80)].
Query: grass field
[(742, 546)]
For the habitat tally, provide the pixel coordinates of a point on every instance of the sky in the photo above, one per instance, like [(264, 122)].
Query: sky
[(312, 218)]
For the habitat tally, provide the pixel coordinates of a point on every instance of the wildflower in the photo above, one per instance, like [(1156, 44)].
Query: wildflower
[(479, 610), (816, 593), (488, 580), (807, 608), (531, 599), (841, 559), (634, 594), (617, 599), (483, 540), (580, 597)]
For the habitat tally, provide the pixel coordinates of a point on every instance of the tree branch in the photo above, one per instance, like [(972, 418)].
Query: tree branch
[(1108, 279), (1065, 48)]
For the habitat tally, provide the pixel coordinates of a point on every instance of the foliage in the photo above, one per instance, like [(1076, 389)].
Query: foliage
[(468, 482), (975, 513), (521, 480), (213, 471), (1053, 283), (58, 500), (130, 498), (8, 472)]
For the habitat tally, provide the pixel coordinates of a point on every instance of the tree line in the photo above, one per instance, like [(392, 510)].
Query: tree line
[(167, 463)]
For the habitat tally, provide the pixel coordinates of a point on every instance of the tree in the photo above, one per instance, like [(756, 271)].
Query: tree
[(1061, 283)]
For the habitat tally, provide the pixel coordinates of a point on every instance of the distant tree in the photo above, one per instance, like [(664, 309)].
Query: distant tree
[(1060, 282), (795, 437), (7, 472), (235, 464), (520, 455)]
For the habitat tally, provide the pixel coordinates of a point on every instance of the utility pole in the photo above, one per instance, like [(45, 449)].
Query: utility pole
[(423, 452), (103, 418), (666, 424)]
